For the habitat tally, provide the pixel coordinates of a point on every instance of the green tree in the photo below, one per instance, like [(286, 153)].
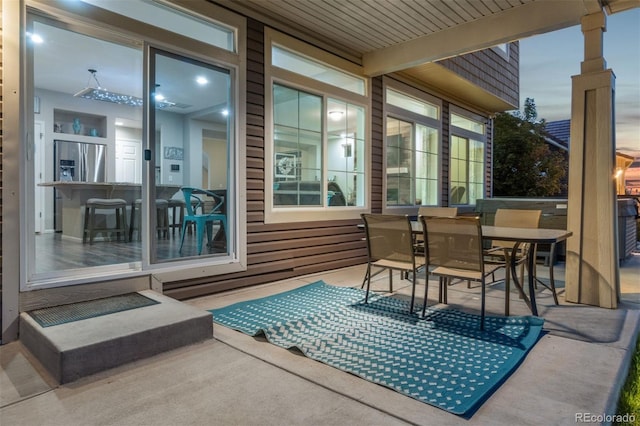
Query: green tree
[(523, 163)]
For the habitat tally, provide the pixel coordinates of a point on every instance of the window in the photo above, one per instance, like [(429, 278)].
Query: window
[(316, 155), (467, 154), (316, 70), (412, 144), (172, 19)]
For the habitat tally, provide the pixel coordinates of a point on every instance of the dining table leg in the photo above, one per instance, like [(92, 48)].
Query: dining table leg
[(520, 286), (531, 259)]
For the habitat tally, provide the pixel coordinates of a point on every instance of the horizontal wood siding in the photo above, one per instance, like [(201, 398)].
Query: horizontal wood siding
[(444, 155), (377, 145), (283, 250), (491, 71)]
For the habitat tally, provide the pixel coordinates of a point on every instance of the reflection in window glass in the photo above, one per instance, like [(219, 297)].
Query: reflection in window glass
[(299, 150), (411, 104), (412, 163), (297, 139), (299, 64), (172, 20), (466, 124), (345, 154), (466, 171)]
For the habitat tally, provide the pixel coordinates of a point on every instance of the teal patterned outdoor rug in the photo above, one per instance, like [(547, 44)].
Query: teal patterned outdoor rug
[(443, 359)]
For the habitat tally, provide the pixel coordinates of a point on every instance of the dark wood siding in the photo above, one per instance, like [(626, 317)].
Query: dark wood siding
[(490, 70), (377, 145)]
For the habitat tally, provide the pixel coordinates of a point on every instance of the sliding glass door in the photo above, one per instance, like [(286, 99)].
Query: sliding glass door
[(123, 129), (190, 113)]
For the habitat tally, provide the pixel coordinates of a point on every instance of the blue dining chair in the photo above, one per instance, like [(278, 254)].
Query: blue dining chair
[(204, 220)]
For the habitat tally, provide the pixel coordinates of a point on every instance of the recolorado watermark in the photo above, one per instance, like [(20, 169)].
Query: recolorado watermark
[(605, 418)]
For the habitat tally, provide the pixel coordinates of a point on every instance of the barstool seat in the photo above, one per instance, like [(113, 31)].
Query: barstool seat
[(120, 208)]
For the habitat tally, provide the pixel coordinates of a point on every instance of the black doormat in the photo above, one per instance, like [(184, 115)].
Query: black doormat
[(63, 314)]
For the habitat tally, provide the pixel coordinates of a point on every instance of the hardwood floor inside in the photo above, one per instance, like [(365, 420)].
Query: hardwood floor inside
[(55, 253)]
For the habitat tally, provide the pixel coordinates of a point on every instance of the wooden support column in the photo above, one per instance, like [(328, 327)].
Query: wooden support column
[(592, 273)]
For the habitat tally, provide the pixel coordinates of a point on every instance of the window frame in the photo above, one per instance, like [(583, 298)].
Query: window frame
[(469, 135), (399, 113), (275, 75)]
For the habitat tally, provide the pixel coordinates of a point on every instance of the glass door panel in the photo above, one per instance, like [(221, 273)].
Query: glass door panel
[(80, 83), (190, 113)]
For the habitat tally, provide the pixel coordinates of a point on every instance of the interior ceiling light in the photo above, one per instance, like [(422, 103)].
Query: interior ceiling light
[(99, 93), (335, 115)]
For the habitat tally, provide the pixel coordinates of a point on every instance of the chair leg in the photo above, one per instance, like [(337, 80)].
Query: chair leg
[(426, 293), (482, 303), (552, 282), (507, 290), (92, 216), (184, 225), (413, 291), (368, 278), (390, 280), (85, 227), (199, 235)]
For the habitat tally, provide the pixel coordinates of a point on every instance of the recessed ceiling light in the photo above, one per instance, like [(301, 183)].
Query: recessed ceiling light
[(119, 123), (201, 80), (225, 112), (35, 38)]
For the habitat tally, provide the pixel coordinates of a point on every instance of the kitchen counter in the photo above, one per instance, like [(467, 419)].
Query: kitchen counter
[(76, 194)]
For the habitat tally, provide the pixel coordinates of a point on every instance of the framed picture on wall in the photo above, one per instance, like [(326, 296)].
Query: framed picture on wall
[(286, 166)]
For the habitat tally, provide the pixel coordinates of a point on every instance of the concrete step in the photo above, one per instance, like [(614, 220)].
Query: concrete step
[(80, 348)]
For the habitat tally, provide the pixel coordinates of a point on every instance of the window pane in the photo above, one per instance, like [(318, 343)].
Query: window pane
[(172, 20), (285, 106), (297, 163), (466, 171), (465, 123), (193, 149), (412, 104), (400, 167), (307, 67), (345, 153)]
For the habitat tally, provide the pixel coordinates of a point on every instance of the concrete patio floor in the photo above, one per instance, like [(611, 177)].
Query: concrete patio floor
[(577, 367)]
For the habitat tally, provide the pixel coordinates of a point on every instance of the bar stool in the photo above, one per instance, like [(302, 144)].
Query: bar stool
[(120, 208), (177, 216), (162, 218)]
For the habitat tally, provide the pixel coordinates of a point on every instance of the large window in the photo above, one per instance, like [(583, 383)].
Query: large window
[(466, 177), (316, 158), (412, 143)]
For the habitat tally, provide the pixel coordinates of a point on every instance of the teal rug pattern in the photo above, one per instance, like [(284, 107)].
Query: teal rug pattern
[(442, 359)]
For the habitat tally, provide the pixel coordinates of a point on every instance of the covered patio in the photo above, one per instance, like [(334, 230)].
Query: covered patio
[(576, 369)]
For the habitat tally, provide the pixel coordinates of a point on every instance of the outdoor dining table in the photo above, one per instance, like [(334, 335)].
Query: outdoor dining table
[(521, 236)]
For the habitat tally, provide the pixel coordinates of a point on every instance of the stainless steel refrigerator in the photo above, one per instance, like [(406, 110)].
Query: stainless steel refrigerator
[(76, 162)]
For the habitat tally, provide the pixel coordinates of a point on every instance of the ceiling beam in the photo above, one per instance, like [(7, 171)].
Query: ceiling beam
[(533, 18)]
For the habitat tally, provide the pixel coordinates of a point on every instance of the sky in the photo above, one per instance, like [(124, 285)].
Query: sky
[(548, 61)]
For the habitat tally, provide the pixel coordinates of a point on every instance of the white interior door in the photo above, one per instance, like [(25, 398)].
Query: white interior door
[(128, 161)]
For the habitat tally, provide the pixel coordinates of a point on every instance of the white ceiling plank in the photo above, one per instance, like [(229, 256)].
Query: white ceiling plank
[(513, 24)]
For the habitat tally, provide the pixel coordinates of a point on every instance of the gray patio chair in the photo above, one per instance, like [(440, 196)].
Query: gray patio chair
[(454, 250), (501, 252), (390, 247)]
